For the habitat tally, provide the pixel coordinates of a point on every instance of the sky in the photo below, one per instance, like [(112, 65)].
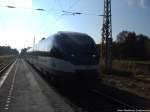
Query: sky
[(20, 25)]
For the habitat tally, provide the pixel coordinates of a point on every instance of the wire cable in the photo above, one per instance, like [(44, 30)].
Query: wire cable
[(60, 17)]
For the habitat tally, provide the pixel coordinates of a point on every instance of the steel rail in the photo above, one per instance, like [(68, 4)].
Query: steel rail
[(5, 67), (114, 99)]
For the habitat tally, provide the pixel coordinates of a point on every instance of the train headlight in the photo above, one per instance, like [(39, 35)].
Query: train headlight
[(94, 56), (72, 55)]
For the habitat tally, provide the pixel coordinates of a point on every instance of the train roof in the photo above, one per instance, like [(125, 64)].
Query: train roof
[(73, 34), (45, 43)]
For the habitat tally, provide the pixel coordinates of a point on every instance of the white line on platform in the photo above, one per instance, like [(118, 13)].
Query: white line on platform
[(8, 101)]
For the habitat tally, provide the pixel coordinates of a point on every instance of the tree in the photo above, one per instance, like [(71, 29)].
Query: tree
[(7, 50), (121, 37), (131, 46)]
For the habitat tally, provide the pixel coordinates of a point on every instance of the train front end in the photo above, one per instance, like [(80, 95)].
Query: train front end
[(81, 55)]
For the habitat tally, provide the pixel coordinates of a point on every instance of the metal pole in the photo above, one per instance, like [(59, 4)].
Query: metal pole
[(107, 35)]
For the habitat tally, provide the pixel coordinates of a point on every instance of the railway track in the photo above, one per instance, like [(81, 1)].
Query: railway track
[(92, 100), (113, 99), (4, 67), (100, 98), (4, 75)]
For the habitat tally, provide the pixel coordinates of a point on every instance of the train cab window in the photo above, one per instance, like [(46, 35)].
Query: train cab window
[(81, 43)]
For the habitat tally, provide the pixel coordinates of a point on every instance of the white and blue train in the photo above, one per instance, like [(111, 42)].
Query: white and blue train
[(65, 55)]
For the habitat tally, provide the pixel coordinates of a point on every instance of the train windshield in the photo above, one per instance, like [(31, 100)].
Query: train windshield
[(78, 43)]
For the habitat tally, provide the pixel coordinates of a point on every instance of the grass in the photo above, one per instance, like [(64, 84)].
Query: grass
[(6, 59), (132, 76), (131, 62), (135, 67), (138, 70)]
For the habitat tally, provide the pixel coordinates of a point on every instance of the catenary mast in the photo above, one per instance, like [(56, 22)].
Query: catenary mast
[(107, 36)]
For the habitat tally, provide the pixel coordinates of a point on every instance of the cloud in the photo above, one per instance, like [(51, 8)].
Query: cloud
[(140, 3), (130, 2)]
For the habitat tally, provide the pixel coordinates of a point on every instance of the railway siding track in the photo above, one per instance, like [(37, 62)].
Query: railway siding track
[(120, 102), (4, 75), (4, 67), (95, 98), (103, 98)]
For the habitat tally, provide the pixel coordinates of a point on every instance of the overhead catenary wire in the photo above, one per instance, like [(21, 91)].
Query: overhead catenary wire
[(54, 10), (65, 13), (60, 16)]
